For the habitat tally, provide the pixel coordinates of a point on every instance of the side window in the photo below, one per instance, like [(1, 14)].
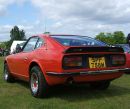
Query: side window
[(30, 46), (39, 43)]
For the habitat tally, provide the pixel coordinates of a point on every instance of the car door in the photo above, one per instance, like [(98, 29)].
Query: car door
[(23, 58)]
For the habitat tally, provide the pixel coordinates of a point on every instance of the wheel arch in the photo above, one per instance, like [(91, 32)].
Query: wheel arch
[(34, 63), (5, 61)]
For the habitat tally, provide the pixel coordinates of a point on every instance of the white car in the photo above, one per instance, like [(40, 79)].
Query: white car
[(14, 44)]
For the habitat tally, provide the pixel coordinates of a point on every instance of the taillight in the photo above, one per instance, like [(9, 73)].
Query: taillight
[(118, 60), (72, 61)]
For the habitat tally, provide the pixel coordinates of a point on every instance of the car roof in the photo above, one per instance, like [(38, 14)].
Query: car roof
[(57, 35), (41, 35)]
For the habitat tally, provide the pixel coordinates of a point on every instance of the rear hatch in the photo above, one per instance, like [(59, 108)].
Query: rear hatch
[(93, 58)]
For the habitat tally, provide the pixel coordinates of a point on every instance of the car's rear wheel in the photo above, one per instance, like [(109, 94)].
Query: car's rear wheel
[(38, 84), (101, 85), (7, 76)]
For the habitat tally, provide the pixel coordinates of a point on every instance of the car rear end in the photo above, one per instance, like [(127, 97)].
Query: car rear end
[(90, 63), (95, 64)]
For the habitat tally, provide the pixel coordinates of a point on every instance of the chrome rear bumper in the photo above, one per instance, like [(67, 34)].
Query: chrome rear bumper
[(97, 72)]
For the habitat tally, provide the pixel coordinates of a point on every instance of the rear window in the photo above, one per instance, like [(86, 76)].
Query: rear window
[(78, 41)]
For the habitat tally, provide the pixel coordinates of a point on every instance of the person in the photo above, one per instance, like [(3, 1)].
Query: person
[(1, 51), (128, 39)]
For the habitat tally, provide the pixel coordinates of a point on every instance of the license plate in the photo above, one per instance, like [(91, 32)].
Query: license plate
[(97, 62)]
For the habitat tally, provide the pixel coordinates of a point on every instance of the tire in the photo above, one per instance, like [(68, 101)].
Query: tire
[(38, 84), (101, 85), (7, 76)]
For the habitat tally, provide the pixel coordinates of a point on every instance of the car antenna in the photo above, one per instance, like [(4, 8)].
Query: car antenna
[(45, 27)]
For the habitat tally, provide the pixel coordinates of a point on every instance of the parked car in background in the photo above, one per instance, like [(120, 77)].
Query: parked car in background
[(126, 49), (47, 60), (14, 45), (4, 52)]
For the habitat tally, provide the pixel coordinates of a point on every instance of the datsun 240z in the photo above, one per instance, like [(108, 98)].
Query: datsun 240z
[(47, 60)]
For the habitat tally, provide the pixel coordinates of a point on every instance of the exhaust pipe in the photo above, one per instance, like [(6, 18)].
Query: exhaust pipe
[(70, 80)]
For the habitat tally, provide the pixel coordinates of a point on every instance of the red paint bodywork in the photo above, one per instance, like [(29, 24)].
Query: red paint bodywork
[(49, 59), (127, 60)]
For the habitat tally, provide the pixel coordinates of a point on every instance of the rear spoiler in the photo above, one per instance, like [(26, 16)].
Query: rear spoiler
[(94, 49)]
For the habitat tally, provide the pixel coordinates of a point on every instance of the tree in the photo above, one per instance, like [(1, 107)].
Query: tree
[(3, 45), (15, 34), (117, 37), (105, 37), (101, 36)]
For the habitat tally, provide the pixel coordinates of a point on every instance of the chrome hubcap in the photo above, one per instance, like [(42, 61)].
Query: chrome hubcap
[(5, 74), (34, 83)]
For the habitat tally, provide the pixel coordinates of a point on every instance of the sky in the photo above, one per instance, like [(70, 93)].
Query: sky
[(81, 17)]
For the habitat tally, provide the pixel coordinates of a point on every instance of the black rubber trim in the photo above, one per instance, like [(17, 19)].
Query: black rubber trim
[(94, 49)]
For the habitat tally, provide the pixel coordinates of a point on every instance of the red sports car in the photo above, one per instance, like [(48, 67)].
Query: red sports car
[(46, 60)]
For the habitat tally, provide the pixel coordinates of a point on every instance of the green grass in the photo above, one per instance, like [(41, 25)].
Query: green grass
[(17, 96)]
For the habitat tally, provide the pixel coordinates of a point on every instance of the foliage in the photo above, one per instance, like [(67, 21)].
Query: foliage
[(15, 34), (3, 45), (8, 44), (117, 37)]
